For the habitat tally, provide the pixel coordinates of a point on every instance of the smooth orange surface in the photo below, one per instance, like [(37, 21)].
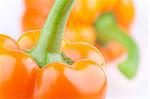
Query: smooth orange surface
[(29, 39), (125, 13), (17, 71), (21, 77), (17, 75), (7, 43), (83, 80), (107, 5)]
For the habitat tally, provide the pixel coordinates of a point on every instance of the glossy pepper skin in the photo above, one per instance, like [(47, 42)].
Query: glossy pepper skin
[(37, 70), (17, 70)]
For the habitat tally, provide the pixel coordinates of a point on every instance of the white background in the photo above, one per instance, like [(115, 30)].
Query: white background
[(118, 86)]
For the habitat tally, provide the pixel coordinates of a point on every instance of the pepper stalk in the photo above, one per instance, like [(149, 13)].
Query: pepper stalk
[(107, 31), (48, 46)]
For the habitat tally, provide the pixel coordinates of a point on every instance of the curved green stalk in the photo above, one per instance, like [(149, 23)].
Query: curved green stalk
[(107, 31), (48, 46)]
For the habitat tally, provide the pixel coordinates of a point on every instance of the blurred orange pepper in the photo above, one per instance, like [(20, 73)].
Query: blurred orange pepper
[(111, 19), (86, 11), (82, 13), (38, 8), (34, 67)]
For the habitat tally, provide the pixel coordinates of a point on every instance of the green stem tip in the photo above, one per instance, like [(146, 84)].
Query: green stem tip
[(107, 31), (48, 46)]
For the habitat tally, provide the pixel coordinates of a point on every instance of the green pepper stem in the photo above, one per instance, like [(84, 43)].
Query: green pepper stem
[(52, 32), (107, 31)]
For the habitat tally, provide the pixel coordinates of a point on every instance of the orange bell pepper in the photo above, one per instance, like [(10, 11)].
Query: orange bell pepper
[(34, 66)]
